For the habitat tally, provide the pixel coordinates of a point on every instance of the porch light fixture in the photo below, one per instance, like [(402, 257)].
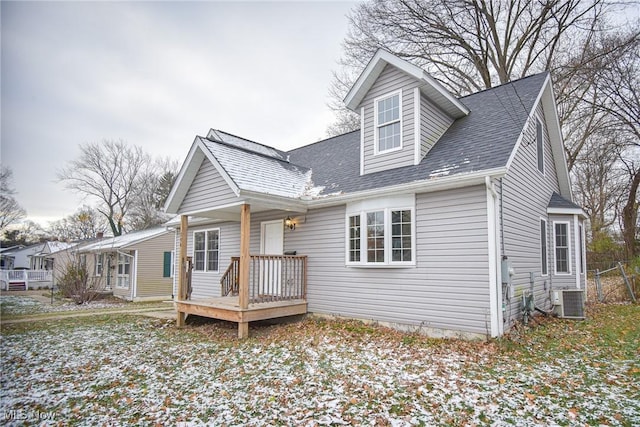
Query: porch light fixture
[(288, 222)]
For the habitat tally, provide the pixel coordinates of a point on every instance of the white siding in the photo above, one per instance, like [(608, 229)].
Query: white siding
[(208, 190)]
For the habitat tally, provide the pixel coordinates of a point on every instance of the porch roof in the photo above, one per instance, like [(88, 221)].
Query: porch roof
[(124, 241)]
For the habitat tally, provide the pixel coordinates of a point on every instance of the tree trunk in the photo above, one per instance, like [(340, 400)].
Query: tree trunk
[(630, 217)]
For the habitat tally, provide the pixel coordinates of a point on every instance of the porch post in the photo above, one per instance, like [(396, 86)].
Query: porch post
[(182, 276), (243, 285)]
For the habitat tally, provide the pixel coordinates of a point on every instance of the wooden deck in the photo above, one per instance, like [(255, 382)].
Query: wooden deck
[(228, 308)]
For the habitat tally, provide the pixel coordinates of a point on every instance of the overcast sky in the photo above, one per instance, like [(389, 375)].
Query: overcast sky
[(155, 75)]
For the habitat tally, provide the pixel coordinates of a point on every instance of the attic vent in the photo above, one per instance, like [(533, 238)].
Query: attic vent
[(571, 303)]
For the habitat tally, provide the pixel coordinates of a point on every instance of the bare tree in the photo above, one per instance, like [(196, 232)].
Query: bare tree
[(85, 223), (599, 183), (466, 45), (155, 183), (110, 172), (10, 210)]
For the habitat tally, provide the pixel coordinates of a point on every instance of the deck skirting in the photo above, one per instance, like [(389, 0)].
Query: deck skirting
[(227, 308)]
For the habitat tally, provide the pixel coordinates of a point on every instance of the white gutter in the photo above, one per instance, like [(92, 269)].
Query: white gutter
[(424, 186)]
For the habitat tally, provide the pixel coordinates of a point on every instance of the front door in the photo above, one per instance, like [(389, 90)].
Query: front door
[(271, 243)]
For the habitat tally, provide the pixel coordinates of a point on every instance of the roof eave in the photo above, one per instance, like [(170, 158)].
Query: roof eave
[(431, 87), (422, 186)]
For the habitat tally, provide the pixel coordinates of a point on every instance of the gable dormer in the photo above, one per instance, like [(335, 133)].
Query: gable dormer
[(403, 112)]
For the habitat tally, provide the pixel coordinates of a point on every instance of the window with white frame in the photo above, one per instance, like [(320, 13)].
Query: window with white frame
[(543, 247), (354, 238), (388, 120), (124, 271), (206, 250), (540, 145), (378, 236), (562, 247), (98, 261)]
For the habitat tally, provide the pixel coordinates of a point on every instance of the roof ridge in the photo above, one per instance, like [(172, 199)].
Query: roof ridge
[(266, 156), (507, 83), (248, 140)]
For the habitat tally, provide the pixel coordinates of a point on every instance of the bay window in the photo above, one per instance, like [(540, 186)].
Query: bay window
[(381, 237)]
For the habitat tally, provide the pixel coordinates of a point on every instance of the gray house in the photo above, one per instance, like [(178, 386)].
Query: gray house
[(440, 213)]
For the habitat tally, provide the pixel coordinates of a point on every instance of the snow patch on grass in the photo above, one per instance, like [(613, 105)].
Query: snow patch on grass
[(124, 371)]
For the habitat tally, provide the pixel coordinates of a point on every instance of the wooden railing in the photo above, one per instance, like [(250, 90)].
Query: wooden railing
[(271, 278), (229, 281)]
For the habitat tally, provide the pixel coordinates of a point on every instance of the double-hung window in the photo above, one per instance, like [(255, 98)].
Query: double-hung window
[(388, 121), (206, 250), (378, 236), (562, 247), (98, 261)]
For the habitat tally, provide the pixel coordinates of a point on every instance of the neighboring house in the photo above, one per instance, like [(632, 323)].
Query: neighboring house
[(7, 258), (137, 266), (21, 255), (43, 260), (438, 214)]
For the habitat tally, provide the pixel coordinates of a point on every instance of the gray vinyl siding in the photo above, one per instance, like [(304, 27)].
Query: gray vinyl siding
[(208, 190), (433, 124), (448, 289), (525, 196), (150, 267), (391, 79), (206, 284)]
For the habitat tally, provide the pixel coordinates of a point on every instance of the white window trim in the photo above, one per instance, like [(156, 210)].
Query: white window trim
[(376, 124), (118, 275), (535, 130), (569, 260), (98, 256), (546, 236), (206, 250), (388, 263)]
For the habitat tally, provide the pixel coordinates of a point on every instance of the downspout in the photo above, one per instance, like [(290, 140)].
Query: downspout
[(495, 290)]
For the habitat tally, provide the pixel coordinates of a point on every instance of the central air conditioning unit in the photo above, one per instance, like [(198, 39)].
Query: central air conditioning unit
[(569, 303)]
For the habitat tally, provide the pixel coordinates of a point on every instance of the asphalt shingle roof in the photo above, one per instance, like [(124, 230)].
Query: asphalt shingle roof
[(255, 170), (480, 141), (557, 201)]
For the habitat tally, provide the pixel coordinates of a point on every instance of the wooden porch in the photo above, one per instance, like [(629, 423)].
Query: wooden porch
[(253, 288)]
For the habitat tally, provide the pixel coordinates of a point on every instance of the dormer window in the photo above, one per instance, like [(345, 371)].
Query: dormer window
[(388, 122)]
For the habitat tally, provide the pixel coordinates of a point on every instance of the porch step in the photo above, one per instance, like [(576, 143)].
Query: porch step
[(17, 286)]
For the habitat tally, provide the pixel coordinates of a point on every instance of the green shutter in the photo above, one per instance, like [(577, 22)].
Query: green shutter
[(166, 269)]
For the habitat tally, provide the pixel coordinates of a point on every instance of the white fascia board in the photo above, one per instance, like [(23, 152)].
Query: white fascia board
[(188, 172), (221, 170), (375, 67), (459, 109), (277, 202), (567, 211), (550, 109), (425, 186), (532, 113), (184, 179)]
